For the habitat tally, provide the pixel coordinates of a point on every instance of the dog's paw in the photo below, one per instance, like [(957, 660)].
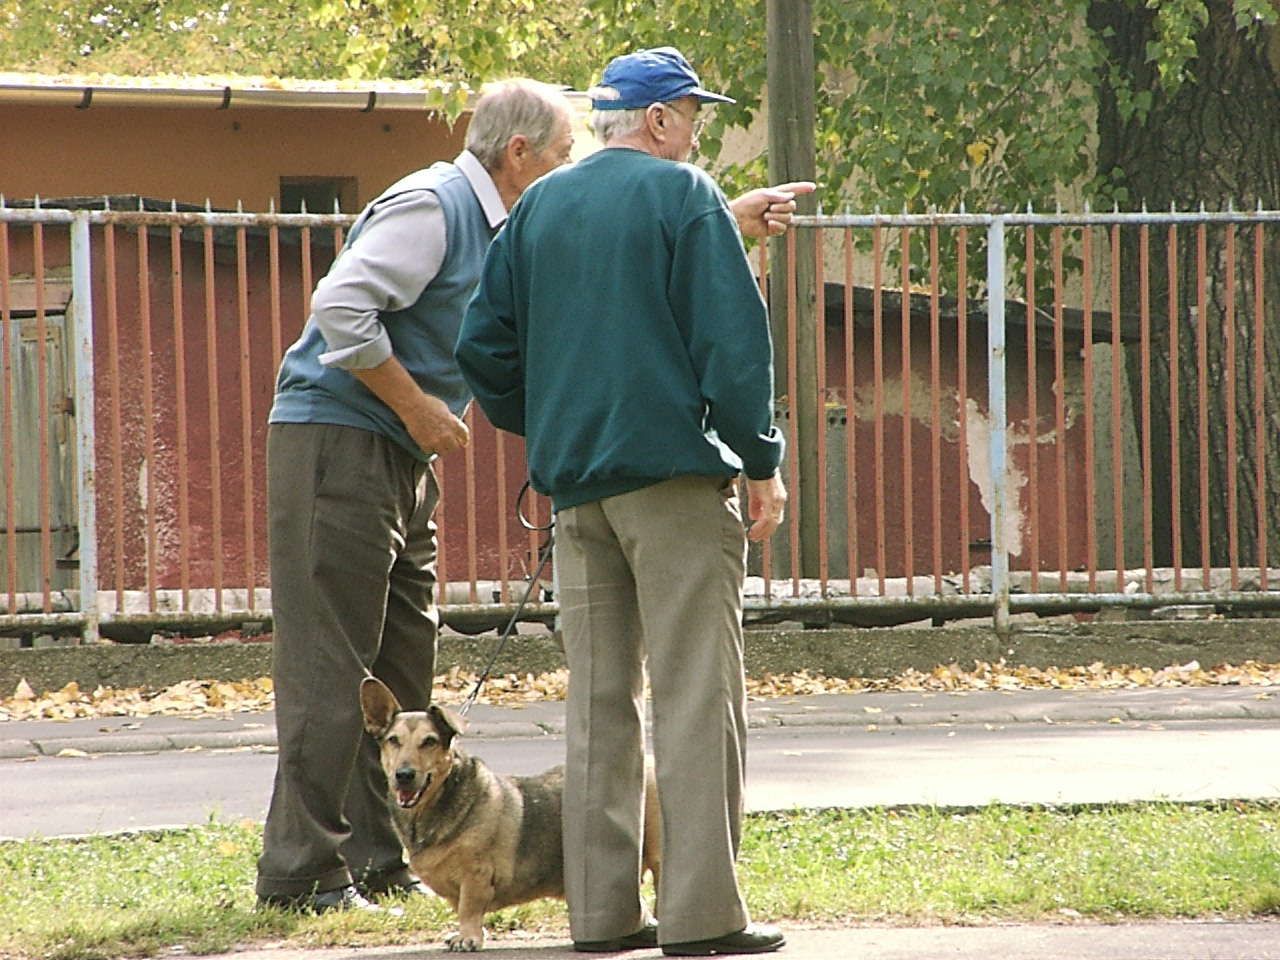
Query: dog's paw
[(457, 943)]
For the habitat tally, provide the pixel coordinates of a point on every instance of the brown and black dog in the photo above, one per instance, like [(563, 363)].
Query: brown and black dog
[(480, 840)]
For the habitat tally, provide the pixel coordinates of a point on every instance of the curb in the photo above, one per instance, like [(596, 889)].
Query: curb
[(28, 739), (1174, 705)]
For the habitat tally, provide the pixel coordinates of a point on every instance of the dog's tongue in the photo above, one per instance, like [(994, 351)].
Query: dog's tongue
[(406, 798)]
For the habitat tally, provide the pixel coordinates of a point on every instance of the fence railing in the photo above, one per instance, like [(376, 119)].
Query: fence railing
[(1104, 438), (1102, 432)]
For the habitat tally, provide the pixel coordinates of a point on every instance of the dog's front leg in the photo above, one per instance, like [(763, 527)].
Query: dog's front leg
[(474, 896)]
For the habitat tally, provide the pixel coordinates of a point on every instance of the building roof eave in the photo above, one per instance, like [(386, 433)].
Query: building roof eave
[(216, 93), (210, 94)]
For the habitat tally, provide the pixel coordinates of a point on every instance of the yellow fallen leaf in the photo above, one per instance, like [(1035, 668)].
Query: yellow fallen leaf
[(24, 691), (71, 752)]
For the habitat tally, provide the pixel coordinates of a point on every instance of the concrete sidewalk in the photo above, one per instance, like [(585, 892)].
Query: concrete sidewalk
[(1173, 940), (106, 735)]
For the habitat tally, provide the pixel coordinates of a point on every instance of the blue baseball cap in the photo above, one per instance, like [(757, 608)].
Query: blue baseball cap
[(635, 80)]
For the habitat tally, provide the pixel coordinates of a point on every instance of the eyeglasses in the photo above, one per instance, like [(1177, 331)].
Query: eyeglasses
[(698, 124)]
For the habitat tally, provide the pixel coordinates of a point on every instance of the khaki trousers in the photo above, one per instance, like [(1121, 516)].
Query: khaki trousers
[(353, 550), (654, 577)]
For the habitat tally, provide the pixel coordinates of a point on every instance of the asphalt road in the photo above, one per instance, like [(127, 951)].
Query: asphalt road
[(966, 764)]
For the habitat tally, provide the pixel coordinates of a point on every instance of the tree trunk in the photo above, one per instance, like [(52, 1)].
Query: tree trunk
[(1215, 142)]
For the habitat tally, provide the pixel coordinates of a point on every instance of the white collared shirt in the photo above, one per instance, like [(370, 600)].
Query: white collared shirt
[(398, 252)]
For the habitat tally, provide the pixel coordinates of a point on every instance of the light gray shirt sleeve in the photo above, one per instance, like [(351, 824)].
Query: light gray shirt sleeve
[(398, 251)]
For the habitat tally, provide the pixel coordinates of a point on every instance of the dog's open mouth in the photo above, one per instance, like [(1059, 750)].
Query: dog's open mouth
[(407, 798)]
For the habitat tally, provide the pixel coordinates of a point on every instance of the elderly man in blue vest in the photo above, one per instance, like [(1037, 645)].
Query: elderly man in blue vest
[(366, 399)]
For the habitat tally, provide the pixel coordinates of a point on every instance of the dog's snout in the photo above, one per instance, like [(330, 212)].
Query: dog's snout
[(406, 776)]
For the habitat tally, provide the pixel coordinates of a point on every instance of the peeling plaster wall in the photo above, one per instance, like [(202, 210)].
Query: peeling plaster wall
[(980, 473), (963, 476)]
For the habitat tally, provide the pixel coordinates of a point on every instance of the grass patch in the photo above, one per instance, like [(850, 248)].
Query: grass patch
[(1144, 861), (143, 894)]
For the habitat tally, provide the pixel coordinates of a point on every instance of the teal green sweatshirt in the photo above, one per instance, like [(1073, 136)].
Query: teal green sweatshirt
[(618, 328)]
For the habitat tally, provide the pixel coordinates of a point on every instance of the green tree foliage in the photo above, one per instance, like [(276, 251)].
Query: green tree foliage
[(460, 44), (177, 37), (919, 104), (454, 45), (466, 41)]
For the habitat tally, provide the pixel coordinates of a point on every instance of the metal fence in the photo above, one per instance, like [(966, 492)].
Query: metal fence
[(1098, 433)]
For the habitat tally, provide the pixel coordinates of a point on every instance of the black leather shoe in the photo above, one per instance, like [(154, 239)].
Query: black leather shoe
[(342, 898), (755, 938), (646, 936)]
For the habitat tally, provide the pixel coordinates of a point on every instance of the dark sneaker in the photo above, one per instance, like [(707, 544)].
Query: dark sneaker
[(411, 887), (341, 898)]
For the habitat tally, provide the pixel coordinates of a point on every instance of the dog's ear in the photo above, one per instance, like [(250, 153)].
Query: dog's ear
[(379, 704), (447, 723)]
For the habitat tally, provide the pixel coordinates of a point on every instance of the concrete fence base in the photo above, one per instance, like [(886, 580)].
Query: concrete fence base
[(832, 652)]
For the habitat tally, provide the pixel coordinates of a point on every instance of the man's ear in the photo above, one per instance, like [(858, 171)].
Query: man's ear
[(517, 151), (655, 122)]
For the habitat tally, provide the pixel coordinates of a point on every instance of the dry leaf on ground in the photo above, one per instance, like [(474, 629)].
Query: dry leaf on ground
[(207, 697)]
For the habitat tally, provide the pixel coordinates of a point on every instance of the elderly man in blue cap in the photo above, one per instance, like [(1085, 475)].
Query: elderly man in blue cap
[(618, 328)]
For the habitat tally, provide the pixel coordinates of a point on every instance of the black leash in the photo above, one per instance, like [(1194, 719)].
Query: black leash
[(533, 583)]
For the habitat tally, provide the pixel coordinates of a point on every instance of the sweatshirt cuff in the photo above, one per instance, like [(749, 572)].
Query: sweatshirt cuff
[(766, 463), (362, 356)]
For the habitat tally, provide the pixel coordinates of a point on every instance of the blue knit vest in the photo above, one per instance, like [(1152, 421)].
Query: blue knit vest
[(422, 335)]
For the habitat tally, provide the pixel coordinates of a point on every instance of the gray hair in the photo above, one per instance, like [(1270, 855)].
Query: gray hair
[(608, 124), (511, 108)]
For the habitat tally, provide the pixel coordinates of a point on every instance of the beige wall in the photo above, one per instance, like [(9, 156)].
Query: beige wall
[(196, 153)]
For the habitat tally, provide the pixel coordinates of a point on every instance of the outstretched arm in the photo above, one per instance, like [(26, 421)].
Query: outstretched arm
[(766, 211)]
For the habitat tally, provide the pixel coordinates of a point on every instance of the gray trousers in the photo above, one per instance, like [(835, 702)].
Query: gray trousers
[(353, 551), (654, 576)]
